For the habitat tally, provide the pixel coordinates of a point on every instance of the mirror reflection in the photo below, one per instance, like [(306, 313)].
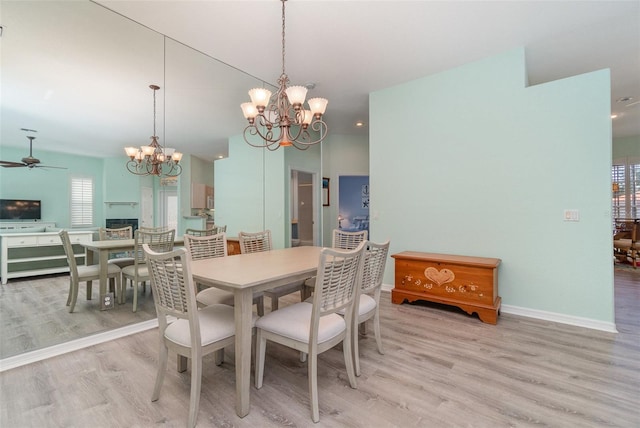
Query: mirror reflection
[(78, 74)]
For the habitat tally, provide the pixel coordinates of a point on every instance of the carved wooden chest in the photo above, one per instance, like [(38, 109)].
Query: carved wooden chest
[(470, 283)]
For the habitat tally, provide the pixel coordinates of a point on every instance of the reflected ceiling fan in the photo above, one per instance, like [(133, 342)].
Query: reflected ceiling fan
[(29, 161)]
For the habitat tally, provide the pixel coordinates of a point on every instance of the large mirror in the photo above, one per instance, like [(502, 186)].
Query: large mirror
[(41, 45)]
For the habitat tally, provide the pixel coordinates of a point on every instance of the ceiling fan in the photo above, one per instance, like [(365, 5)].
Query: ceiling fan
[(29, 161)]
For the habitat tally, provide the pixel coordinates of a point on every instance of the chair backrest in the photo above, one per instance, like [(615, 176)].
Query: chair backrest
[(221, 229), (206, 247), (173, 289), (201, 232), (68, 251), (339, 276), (120, 233), (160, 242), (375, 261), (154, 229), (255, 242), (348, 240)]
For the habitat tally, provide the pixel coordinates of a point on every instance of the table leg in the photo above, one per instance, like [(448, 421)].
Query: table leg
[(243, 301), (104, 260)]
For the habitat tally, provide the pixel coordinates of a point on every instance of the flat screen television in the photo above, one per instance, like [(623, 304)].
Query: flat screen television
[(20, 209)]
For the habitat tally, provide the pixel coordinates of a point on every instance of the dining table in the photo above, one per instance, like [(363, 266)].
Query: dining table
[(245, 274), (103, 249)]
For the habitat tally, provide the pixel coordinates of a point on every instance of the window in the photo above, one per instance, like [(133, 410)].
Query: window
[(625, 179), (81, 201)]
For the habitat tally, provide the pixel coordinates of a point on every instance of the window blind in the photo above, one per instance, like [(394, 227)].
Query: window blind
[(81, 202)]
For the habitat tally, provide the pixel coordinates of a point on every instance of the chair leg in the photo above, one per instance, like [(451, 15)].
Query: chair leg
[(274, 303), (347, 349), (162, 368), (313, 385), (89, 283), (261, 348), (70, 291), (196, 381), (135, 296), (356, 350), (74, 295), (376, 330), (219, 356)]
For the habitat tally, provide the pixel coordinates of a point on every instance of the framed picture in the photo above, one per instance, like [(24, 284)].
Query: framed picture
[(325, 191)]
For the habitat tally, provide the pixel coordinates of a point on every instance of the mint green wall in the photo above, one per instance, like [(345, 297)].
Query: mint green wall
[(341, 155), (120, 186), (51, 186), (239, 188), (626, 147), (484, 166)]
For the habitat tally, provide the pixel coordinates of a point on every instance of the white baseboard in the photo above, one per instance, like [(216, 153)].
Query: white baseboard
[(73, 345), (548, 316)]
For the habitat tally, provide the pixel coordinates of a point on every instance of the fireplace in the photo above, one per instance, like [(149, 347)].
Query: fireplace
[(117, 223)]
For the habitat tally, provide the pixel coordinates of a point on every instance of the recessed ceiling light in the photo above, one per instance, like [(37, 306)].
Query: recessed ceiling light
[(220, 156), (613, 116), (359, 124)]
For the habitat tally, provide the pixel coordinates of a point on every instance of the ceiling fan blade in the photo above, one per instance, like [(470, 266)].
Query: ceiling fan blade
[(9, 164), (48, 166)]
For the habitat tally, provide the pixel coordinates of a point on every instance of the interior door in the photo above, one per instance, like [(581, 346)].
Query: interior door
[(146, 209)]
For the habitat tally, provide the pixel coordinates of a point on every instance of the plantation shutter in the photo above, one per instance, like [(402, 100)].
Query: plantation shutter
[(81, 202)]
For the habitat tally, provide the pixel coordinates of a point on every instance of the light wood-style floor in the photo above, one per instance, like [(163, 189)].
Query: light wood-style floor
[(442, 368), (31, 316)]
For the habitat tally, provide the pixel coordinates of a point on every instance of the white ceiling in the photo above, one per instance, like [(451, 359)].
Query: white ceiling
[(347, 48)]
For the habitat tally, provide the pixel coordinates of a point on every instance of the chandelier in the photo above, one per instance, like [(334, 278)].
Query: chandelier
[(154, 159), (284, 121)]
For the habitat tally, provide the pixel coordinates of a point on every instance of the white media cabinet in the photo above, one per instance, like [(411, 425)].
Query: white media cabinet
[(37, 253)]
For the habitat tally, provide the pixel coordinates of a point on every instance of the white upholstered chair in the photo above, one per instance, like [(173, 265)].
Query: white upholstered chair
[(84, 273), (313, 328), (138, 272), (261, 241), (183, 328), (367, 305), (340, 239), (122, 258), (207, 247)]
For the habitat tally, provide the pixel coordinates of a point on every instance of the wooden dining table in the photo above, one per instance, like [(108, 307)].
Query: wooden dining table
[(245, 274), (104, 248)]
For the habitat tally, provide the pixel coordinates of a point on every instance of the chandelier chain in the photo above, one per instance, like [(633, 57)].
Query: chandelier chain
[(283, 38)]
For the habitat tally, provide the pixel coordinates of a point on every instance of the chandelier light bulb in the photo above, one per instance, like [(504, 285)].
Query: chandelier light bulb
[(318, 105), (260, 97), (296, 95)]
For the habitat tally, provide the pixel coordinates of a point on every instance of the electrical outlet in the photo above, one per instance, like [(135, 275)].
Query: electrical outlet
[(108, 302)]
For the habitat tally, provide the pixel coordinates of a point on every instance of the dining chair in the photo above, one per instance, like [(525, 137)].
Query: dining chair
[(259, 242), (628, 249), (138, 272), (154, 229), (122, 258), (208, 247), (313, 328), (367, 304), (347, 240), (84, 273), (183, 328), (201, 232), (340, 239)]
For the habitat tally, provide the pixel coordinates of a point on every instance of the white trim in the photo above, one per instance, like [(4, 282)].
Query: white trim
[(74, 345), (560, 318), (549, 316)]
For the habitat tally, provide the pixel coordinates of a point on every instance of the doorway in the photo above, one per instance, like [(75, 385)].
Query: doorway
[(168, 209), (303, 215)]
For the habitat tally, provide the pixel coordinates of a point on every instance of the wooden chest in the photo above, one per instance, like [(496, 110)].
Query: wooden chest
[(470, 283), (233, 246)]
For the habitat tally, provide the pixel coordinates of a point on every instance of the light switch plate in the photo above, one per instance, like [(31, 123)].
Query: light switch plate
[(571, 215)]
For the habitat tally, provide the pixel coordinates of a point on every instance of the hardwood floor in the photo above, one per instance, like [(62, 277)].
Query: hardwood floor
[(441, 368), (31, 316)]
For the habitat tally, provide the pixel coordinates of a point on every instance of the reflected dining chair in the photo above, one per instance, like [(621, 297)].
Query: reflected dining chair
[(208, 247), (261, 241), (367, 304), (183, 328), (122, 258), (84, 273), (201, 232), (313, 328), (138, 272)]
